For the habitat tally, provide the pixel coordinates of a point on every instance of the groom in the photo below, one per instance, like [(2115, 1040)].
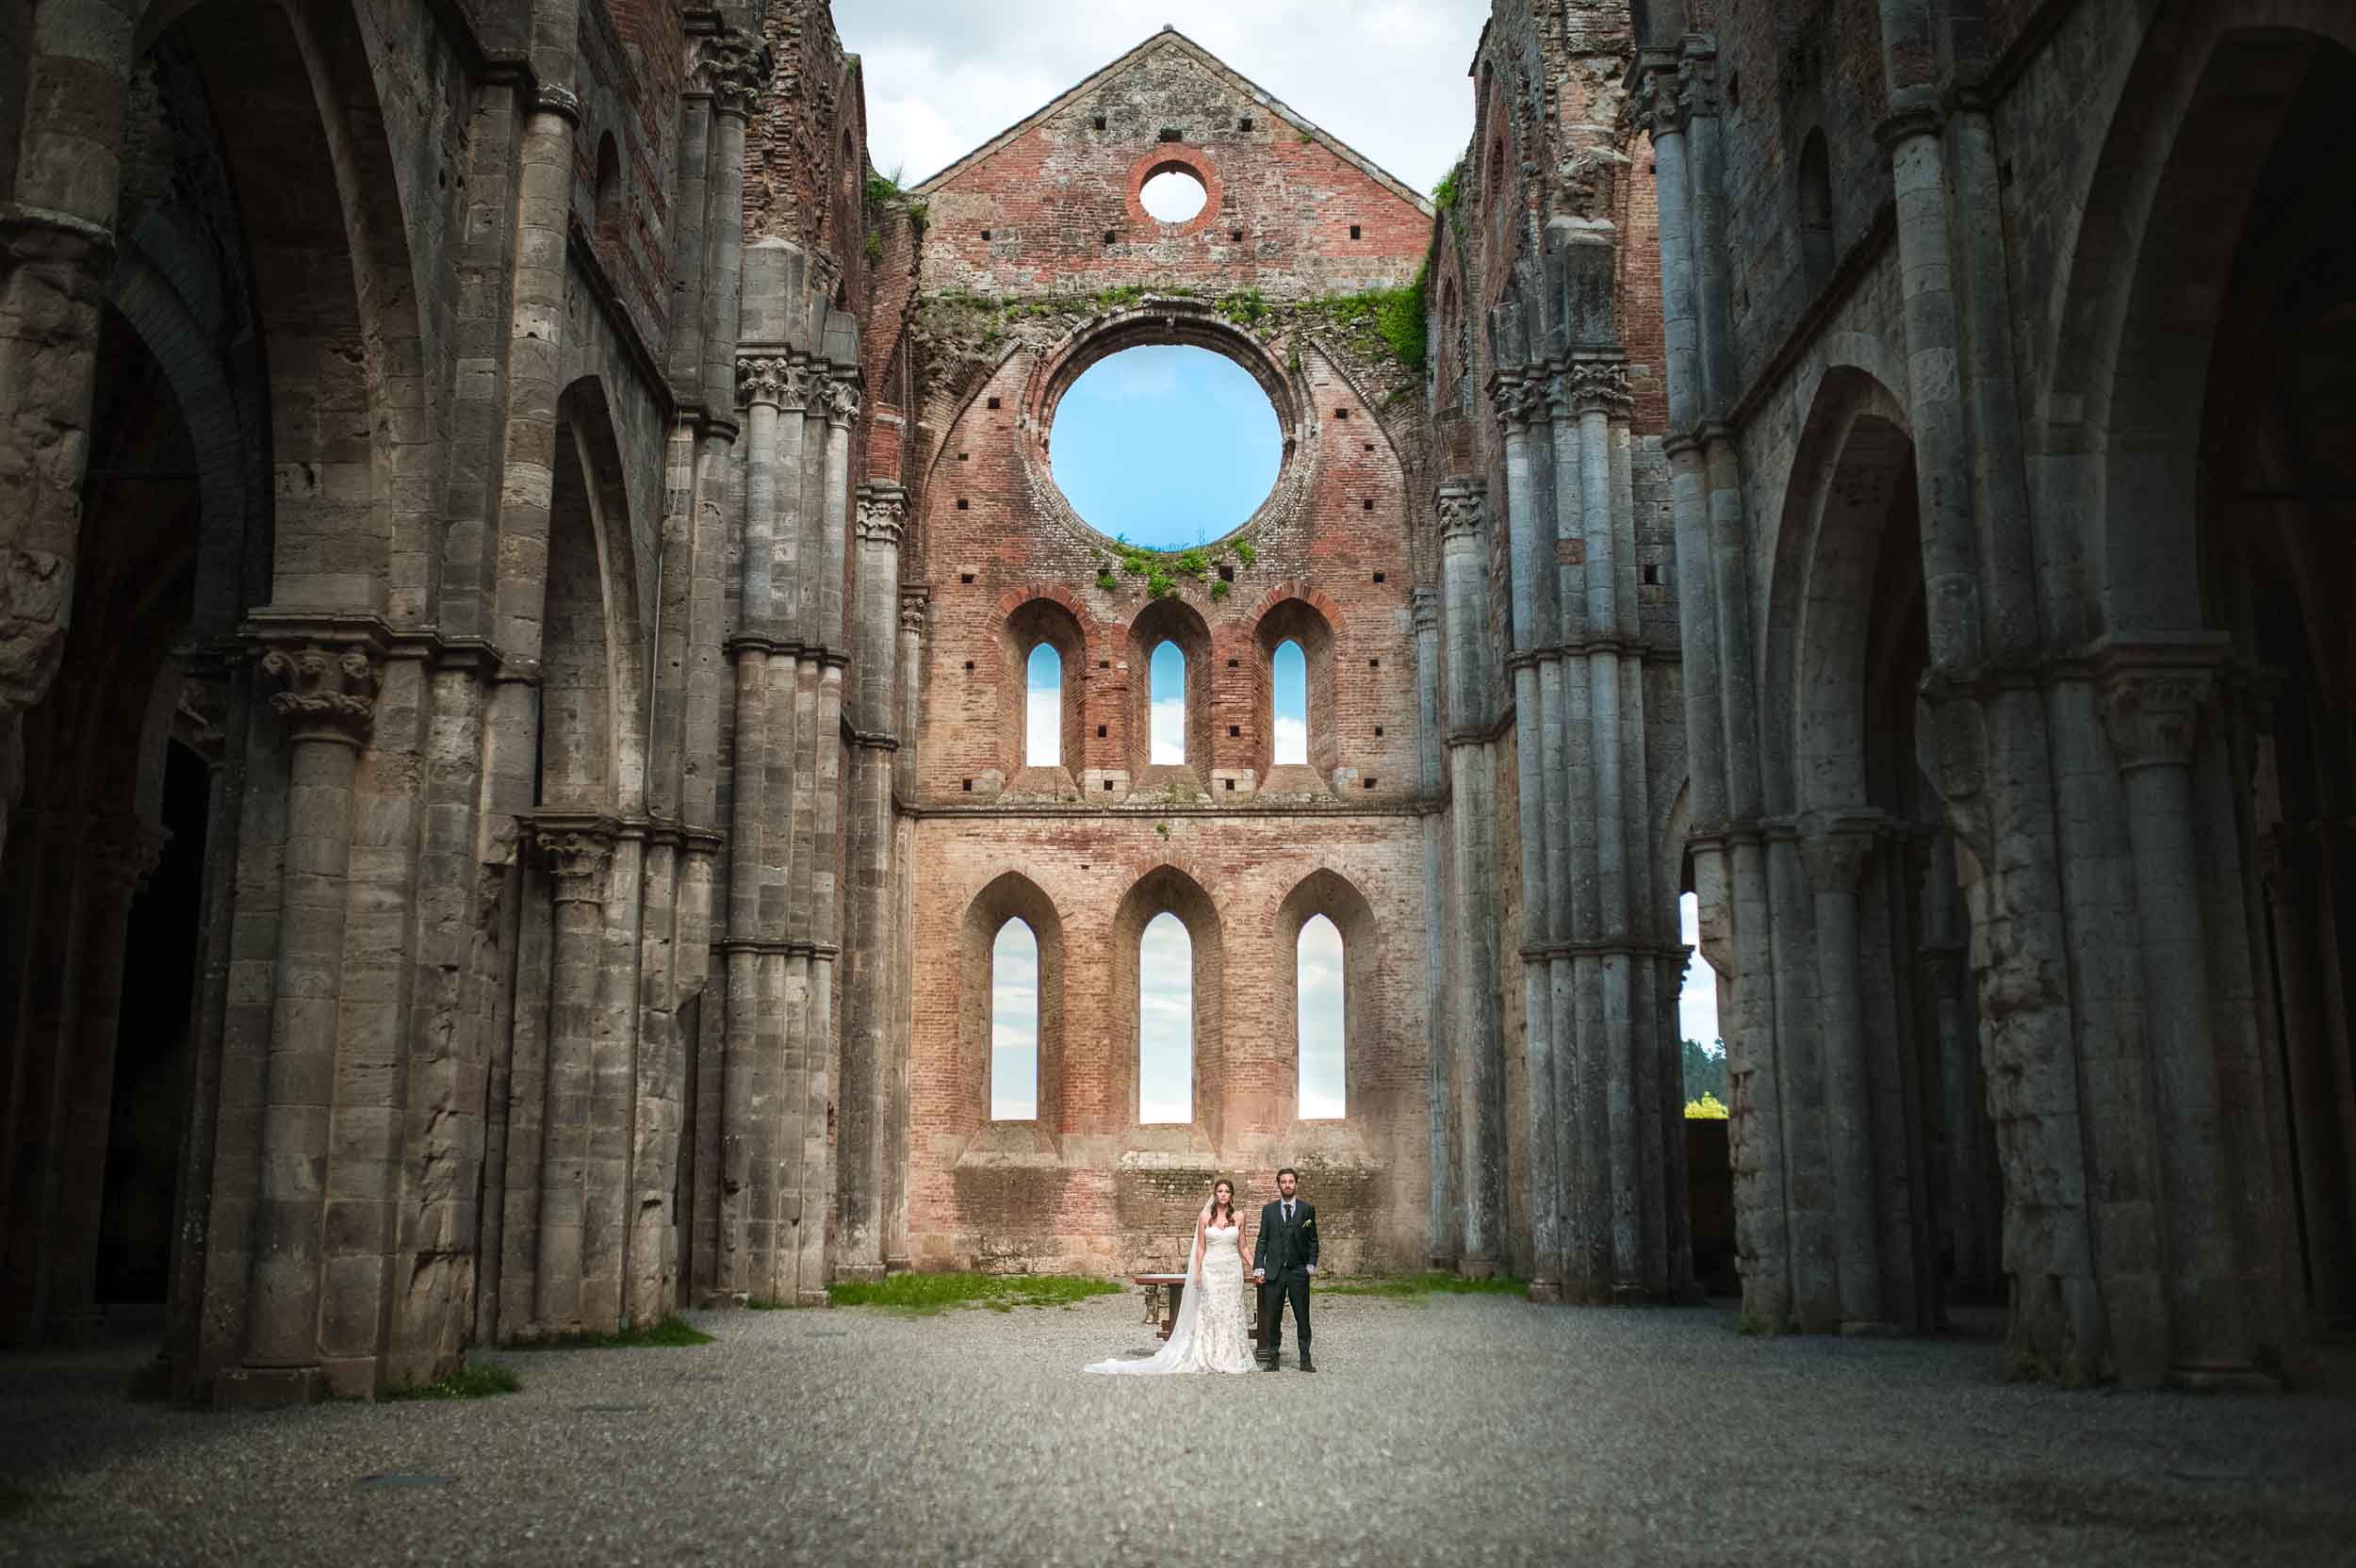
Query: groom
[(1283, 1258)]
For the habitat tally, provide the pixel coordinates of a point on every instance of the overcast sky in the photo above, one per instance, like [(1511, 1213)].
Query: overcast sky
[(1386, 77)]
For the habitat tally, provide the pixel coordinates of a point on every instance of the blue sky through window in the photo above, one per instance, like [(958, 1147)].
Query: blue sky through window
[(1165, 446), (1291, 672), (1166, 672), (1166, 1022), (1043, 745), (1014, 1024)]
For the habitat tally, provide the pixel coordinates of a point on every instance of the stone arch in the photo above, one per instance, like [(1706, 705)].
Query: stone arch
[(1294, 617), (2138, 306), (353, 442), (1853, 468), (1168, 888), (1170, 620), (592, 735), (1367, 1099), (1010, 895)]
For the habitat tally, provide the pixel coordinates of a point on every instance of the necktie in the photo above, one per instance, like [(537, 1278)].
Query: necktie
[(1289, 1213)]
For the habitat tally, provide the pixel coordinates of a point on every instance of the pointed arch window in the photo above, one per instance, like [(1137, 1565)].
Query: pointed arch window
[(1014, 1023), (1166, 1022), (1289, 723), (1042, 710), (1167, 678), (1323, 1012)]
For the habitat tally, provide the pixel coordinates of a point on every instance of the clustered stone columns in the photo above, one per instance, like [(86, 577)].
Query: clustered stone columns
[(1431, 754), (57, 247), (869, 1072), (779, 1048), (1476, 1046), (578, 853), (1836, 847), (2073, 771), (71, 894), (328, 705), (2152, 700), (1607, 1211)]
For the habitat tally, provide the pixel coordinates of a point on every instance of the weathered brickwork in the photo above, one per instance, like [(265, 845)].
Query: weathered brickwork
[(519, 552)]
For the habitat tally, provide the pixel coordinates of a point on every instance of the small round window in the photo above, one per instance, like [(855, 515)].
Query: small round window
[(1166, 444), (1173, 193)]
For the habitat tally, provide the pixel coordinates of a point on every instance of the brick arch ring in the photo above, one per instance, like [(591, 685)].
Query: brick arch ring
[(1153, 320)]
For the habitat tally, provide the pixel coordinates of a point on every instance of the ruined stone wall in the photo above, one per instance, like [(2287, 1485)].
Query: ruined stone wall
[(1018, 291), (1052, 206)]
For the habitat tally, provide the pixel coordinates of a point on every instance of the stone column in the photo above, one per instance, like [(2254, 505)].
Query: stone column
[(329, 701), (57, 247), (121, 852), (579, 856), (2152, 702), (897, 1253), (1836, 846), (1530, 580), (864, 1153), (2318, 1069), (1479, 1049), (1440, 1241)]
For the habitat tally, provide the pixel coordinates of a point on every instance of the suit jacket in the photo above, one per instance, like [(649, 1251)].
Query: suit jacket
[(1279, 1246)]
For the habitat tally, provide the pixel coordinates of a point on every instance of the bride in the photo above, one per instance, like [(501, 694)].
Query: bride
[(1209, 1334)]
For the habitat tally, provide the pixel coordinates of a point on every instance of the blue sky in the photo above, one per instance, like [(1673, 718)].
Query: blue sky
[(1166, 446), (1014, 1023)]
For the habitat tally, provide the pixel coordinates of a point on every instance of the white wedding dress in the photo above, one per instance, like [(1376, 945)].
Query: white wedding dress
[(1210, 1334)]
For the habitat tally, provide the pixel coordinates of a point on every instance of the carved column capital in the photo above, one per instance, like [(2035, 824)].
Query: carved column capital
[(1461, 502), (121, 853), (1426, 603), (840, 397), (1655, 108), (883, 511), (912, 603), (330, 689), (1835, 846), (734, 67), (2152, 698), (578, 851), (1597, 387), (769, 379)]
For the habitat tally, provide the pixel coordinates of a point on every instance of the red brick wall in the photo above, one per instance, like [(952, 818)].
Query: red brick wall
[(1086, 1188)]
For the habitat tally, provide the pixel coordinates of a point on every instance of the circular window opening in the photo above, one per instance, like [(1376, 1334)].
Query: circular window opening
[(1165, 446), (1173, 193)]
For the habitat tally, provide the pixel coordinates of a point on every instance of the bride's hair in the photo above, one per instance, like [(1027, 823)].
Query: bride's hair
[(1211, 1210)]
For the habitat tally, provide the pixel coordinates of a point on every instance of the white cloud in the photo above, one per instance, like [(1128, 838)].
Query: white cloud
[(1166, 1022), (1697, 1003), (1043, 745), (1169, 730), (1014, 1023), (1319, 1018), (1292, 740), (1389, 79)]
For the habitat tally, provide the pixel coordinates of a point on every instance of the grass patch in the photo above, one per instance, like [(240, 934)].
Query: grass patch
[(672, 1331), (931, 1293), (1431, 1282), (468, 1382)]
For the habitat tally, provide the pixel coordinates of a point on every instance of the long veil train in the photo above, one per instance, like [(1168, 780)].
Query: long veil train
[(1175, 1349)]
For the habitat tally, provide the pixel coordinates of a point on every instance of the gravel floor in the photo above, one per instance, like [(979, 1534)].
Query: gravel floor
[(1460, 1430)]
